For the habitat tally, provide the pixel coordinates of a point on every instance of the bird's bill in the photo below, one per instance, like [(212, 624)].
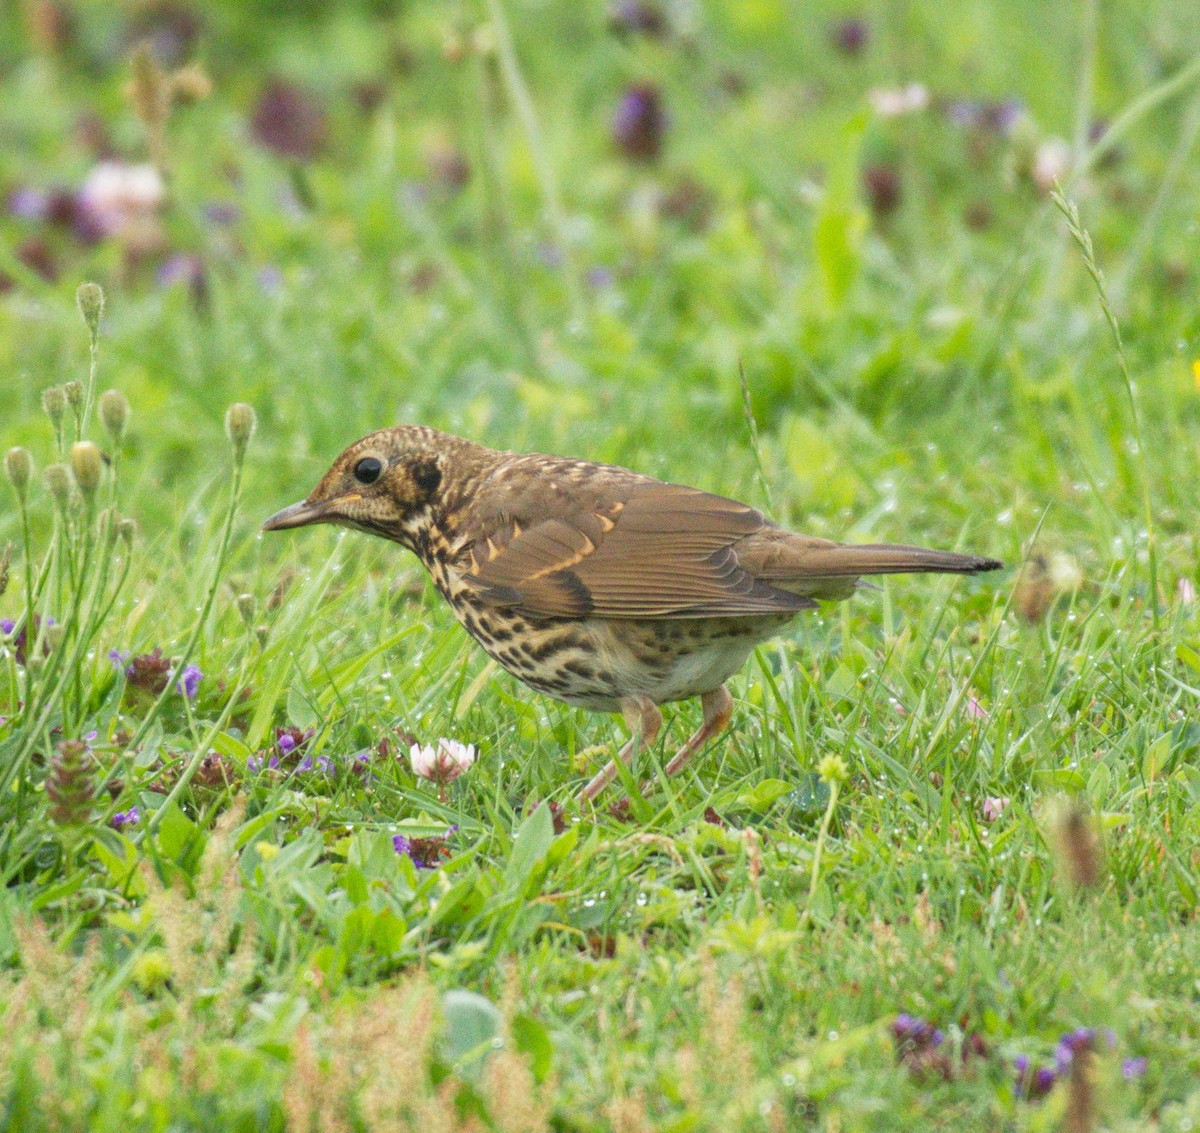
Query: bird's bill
[(304, 513)]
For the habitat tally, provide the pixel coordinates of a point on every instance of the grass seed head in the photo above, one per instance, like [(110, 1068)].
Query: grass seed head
[(58, 481), (126, 530), (240, 423), (1077, 843), (88, 466), (114, 413), (90, 300), (73, 391), (18, 466), (246, 608), (54, 402)]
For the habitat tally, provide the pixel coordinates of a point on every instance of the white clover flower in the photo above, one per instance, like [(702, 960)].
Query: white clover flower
[(1051, 163), (442, 764), (893, 102), (120, 199)]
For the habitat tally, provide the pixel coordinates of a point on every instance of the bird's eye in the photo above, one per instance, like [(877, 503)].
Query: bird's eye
[(367, 470)]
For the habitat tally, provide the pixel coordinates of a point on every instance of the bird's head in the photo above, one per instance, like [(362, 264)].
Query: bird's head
[(384, 484)]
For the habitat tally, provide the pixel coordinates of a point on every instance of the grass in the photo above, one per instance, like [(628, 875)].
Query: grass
[(961, 805)]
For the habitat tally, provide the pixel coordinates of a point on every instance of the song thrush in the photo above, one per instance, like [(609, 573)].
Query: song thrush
[(593, 584)]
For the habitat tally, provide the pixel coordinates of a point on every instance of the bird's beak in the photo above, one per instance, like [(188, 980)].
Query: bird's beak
[(304, 513)]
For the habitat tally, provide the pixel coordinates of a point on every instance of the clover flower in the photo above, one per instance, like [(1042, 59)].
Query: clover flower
[(7, 625), (442, 764)]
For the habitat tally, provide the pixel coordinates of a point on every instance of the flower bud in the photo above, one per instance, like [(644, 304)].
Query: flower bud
[(90, 299), (70, 784), (58, 480), (114, 413), (240, 423), (18, 464), (54, 635), (190, 84), (87, 464), (246, 607), (54, 402), (74, 395), (127, 530)]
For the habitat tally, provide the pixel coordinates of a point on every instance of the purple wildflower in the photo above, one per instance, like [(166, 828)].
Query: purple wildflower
[(1072, 1043), (1032, 1085), (256, 763), (124, 818), (118, 657), (639, 123), (425, 853), (189, 683), (1133, 1068), (28, 204), (287, 743), (7, 625), (850, 36)]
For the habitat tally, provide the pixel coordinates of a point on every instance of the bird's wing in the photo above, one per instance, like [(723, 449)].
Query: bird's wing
[(658, 551)]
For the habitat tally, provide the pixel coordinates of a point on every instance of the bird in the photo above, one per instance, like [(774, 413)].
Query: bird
[(596, 585)]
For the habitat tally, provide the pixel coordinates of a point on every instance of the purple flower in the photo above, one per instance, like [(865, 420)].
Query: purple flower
[(424, 853), (28, 204), (287, 743), (123, 818), (1035, 1085), (639, 123), (118, 657), (1072, 1043), (850, 36), (257, 762), (1133, 1068), (7, 625), (189, 683)]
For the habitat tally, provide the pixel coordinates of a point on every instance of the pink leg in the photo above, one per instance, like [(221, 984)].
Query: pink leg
[(718, 707), (644, 720)]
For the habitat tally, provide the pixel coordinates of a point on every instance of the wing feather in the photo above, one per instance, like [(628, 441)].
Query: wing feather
[(664, 551)]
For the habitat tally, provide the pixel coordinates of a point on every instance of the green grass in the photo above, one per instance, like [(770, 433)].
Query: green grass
[(733, 951)]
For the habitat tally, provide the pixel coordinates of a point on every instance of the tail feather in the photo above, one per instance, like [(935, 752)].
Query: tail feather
[(821, 568), (842, 560)]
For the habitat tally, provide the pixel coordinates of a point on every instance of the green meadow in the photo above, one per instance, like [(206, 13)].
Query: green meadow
[(890, 271)]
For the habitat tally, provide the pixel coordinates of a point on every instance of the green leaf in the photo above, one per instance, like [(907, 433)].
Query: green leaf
[(532, 1038), (472, 1028), (301, 713), (530, 846), (764, 795), (1059, 779)]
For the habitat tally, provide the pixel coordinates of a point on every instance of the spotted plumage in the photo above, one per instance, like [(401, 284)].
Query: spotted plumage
[(590, 583)]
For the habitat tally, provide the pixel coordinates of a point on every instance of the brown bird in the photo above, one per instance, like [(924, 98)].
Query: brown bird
[(593, 584)]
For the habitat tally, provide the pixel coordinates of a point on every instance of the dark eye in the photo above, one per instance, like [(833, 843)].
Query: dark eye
[(367, 470)]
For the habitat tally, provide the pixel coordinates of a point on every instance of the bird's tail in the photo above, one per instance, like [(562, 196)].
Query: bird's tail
[(841, 561)]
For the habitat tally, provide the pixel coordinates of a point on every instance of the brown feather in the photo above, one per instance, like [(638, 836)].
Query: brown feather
[(666, 552)]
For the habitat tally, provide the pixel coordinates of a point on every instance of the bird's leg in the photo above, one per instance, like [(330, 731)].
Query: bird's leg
[(718, 707), (644, 720)]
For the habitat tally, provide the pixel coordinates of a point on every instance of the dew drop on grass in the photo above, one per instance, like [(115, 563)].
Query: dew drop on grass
[(833, 1036)]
